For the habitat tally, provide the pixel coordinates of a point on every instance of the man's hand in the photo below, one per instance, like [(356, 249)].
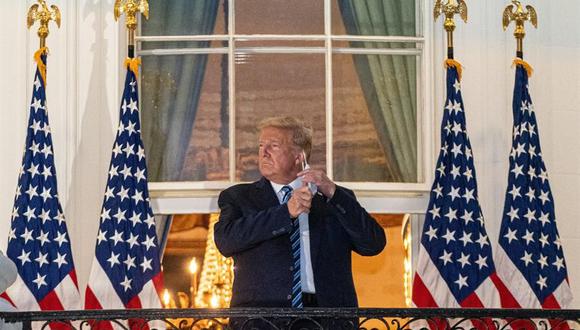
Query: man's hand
[(300, 201), (319, 179)]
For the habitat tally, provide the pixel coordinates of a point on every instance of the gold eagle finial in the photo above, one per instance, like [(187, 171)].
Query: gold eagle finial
[(515, 12), (450, 8), (40, 12), (131, 8)]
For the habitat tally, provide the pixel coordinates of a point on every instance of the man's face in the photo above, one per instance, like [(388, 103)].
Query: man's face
[(278, 157)]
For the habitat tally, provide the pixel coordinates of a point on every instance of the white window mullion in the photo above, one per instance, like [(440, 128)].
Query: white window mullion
[(429, 137), (232, 92), (400, 39), (328, 87), (199, 37), (280, 50), (182, 51), (279, 37), (421, 121), (377, 51)]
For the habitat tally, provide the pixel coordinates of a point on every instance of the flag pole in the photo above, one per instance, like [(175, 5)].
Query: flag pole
[(41, 13), (450, 8), (520, 16), (51, 282), (138, 283), (131, 8), (438, 281)]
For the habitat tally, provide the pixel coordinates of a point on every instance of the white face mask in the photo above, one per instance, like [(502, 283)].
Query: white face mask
[(306, 166)]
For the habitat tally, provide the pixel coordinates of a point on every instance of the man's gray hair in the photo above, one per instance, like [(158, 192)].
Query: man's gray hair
[(301, 134)]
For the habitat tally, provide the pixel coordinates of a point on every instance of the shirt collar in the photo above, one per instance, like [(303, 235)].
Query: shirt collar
[(294, 185)]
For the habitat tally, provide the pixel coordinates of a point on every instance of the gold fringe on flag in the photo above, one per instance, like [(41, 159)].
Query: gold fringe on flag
[(453, 63), (40, 63), (526, 65), (133, 65)]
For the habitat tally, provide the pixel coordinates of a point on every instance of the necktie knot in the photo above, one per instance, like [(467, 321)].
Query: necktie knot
[(286, 193)]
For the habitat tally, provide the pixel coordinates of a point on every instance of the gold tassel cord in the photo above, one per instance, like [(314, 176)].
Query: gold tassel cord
[(41, 65), (453, 63), (133, 65), (526, 65)]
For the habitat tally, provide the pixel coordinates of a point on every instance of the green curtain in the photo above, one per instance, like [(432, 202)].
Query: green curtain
[(172, 84), (388, 82)]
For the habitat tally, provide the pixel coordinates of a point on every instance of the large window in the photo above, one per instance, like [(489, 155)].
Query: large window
[(352, 69)]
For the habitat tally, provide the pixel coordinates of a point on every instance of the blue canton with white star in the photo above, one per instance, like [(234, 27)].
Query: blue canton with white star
[(454, 235), (38, 240), (127, 247), (528, 230)]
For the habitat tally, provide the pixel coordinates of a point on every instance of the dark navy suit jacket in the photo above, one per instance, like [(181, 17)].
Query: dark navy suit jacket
[(254, 229)]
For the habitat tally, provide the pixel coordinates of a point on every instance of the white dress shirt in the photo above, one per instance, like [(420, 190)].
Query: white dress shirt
[(306, 276)]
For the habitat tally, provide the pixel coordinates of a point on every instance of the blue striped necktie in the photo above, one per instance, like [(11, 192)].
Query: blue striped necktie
[(295, 242)]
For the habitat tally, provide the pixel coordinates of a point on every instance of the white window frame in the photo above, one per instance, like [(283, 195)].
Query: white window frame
[(201, 196)]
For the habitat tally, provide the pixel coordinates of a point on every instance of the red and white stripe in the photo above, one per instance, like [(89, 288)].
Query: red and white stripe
[(431, 291), (65, 296), (100, 294), (524, 296), (521, 295)]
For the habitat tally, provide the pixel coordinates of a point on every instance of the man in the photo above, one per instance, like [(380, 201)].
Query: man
[(292, 232)]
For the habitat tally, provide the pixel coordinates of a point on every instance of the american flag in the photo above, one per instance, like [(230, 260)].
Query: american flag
[(126, 270), (530, 258), (38, 240), (455, 267)]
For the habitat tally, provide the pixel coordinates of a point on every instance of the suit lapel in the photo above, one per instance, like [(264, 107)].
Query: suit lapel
[(265, 195)]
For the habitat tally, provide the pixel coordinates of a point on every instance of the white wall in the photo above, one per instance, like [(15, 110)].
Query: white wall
[(84, 81), (486, 52)]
